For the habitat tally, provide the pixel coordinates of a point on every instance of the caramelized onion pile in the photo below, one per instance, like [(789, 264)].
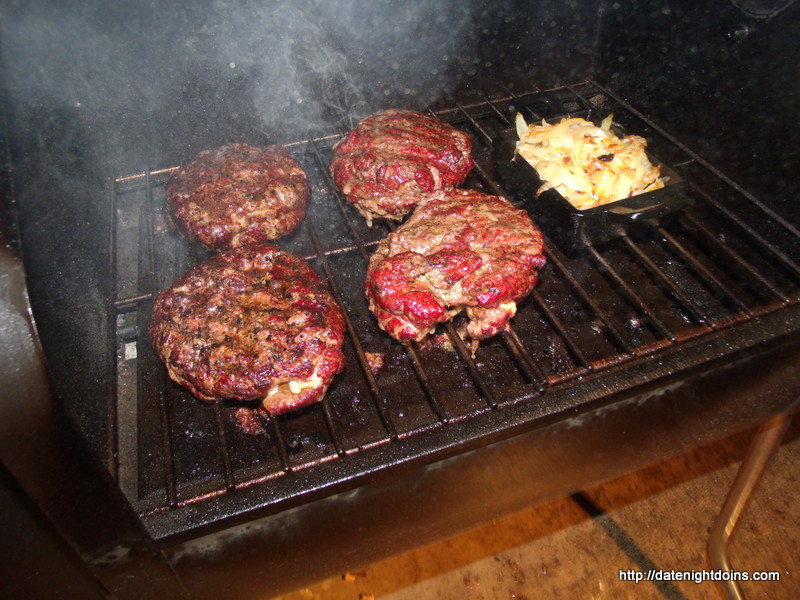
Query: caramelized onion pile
[(588, 165)]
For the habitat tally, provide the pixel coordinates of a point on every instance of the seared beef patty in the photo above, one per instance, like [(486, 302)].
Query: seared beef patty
[(253, 323), (460, 249), (395, 157), (238, 194)]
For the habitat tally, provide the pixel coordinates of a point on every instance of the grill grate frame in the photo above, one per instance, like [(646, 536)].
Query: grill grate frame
[(709, 281)]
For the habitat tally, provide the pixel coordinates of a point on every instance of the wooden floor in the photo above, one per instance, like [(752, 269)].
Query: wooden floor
[(574, 548)]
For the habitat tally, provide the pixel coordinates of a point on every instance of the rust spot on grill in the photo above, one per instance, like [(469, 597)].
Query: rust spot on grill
[(567, 375), (653, 347), (689, 334)]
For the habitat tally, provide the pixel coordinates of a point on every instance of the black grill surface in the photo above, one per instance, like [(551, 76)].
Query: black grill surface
[(639, 311)]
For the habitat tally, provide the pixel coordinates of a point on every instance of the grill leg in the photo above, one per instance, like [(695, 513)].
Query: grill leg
[(761, 448)]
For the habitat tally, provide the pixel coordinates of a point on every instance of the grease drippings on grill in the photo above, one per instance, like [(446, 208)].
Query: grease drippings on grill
[(251, 324)]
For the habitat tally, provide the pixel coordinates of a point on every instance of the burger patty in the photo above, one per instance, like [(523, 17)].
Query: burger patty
[(237, 194), (459, 249), (254, 324), (394, 158)]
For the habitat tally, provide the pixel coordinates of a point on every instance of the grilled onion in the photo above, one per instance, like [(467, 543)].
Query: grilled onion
[(588, 165)]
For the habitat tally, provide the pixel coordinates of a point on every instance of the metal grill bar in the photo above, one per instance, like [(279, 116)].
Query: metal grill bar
[(150, 274), (675, 290), (166, 444), (558, 260), (466, 355), (351, 228), (230, 483), (151, 286), (112, 458), (738, 260), (773, 250), (280, 442), (475, 125), (573, 346), (131, 302), (524, 360), (422, 376), (704, 273), (363, 361), (489, 103), (335, 437), (640, 304)]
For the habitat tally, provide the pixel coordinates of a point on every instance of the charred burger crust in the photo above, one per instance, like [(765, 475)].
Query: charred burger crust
[(250, 324), (394, 158), (459, 250), (237, 194)]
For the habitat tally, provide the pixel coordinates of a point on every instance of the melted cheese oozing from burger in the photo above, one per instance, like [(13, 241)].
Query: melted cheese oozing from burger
[(510, 307), (295, 386)]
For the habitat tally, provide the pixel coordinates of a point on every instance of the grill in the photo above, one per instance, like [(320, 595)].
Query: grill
[(639, 312)]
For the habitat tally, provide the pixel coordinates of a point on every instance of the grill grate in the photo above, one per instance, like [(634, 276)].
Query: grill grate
[(687, 290)]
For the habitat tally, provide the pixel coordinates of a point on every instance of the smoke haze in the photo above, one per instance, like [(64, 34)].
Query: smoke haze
[(217, 69)]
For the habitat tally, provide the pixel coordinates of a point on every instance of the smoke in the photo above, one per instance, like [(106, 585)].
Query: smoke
[(315, 62), (55, 54), (297, 76), (216, 68)]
